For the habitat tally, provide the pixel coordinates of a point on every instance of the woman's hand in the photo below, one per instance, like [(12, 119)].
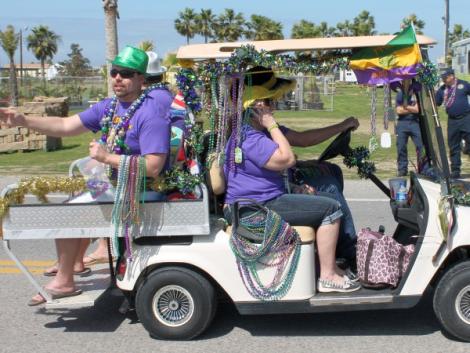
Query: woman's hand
[(263, 114), (11, 117), (98, 152)]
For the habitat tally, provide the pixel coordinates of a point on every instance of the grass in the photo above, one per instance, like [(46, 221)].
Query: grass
[(349, 100)]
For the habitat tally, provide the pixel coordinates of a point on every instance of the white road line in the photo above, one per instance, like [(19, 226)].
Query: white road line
[(368, 200)]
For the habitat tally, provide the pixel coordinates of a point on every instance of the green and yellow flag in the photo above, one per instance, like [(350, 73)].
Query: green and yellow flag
[(399, 59)]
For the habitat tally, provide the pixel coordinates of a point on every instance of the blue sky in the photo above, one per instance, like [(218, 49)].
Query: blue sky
[(82, 21)]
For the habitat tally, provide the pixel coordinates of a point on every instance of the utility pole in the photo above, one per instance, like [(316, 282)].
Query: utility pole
[(21, 56), (446, 35)]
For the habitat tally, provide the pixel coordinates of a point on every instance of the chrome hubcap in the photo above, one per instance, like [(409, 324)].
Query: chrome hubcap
[(462, 304), (173, 305)]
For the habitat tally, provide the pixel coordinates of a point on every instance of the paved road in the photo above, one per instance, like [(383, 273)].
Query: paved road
[(103, 329)]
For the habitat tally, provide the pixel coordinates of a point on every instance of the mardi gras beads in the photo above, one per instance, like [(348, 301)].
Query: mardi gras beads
[(114, 128)]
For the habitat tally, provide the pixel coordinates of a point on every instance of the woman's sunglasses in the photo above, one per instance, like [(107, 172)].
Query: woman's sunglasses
[(123, 73)]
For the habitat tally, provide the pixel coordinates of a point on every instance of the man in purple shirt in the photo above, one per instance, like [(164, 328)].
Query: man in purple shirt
[(147, 134)]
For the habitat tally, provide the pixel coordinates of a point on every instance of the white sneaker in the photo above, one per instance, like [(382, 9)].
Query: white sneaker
[(327, 286)]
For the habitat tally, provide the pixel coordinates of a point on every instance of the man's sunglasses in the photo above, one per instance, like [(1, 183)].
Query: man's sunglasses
[(123, 73)]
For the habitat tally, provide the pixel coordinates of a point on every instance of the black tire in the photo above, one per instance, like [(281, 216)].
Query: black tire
[(452, 301), (187, 303)]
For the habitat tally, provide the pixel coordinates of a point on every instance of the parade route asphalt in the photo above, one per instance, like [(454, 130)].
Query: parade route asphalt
[(103, 329)]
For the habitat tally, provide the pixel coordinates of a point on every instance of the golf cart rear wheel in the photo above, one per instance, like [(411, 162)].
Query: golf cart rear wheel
[(452, 301), (175, 303)]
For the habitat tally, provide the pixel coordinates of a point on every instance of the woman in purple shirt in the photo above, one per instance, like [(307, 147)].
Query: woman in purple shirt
[(258, 176)]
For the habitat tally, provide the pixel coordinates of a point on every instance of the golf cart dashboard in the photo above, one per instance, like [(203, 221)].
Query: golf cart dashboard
[(413, 213)]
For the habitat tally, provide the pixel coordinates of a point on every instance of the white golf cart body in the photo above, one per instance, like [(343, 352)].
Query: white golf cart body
[(182, 241)]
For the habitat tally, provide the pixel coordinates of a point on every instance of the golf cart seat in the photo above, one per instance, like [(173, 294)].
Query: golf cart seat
[(216, 182)]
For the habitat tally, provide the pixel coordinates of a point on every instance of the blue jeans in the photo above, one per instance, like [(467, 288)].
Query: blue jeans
[(407, 128), (298, 209), (328, 186), (327, 178), (457, 129)]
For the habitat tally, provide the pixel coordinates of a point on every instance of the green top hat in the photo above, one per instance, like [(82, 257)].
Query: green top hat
[(132, 58)]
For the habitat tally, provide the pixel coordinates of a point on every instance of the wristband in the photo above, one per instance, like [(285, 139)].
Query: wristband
[(273, 126)]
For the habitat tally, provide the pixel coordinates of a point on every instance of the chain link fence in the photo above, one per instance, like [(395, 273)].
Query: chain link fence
[(310, 93), (80, 90)]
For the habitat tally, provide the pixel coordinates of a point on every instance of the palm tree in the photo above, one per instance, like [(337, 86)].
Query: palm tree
[(170, 60), (417, 23), (344, 29), (9, 42), (263, 28), (205, 24), (326, 31), (43, 43), (186, 23), (147, 45), (364, 24), (305, 29), (458, 33), (229, 26), (111, 15)]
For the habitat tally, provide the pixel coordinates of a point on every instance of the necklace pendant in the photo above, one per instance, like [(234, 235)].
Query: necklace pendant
[(238, 155)]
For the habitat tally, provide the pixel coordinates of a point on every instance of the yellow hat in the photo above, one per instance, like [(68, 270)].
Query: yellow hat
[(261, 83)]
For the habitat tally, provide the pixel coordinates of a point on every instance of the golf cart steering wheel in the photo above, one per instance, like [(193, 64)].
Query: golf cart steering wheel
[(339, 146)]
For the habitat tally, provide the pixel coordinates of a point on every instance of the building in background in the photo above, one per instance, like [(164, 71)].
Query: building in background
[(34, 70), (461, 56)]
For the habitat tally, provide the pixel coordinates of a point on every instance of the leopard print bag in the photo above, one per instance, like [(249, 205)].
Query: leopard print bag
[(381, 260)]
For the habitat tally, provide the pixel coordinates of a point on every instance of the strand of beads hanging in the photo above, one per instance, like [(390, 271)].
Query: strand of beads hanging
[(40, 187), (428, 74), (278, 248), (114, 128), (125, 217), (187, 81), (359, 157)]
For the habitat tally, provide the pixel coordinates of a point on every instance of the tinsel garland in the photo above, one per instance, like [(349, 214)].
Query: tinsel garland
[(40, 187), (359, 157), (187, 81), (248, 55), (428, 74), (460, 194), (177, 179)]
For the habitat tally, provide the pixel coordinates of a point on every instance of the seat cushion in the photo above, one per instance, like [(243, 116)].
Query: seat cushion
[(307, 234)]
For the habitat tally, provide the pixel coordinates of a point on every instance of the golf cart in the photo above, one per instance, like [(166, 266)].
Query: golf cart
[(183, 261)]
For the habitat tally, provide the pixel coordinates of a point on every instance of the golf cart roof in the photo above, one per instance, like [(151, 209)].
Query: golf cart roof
[(224, 50)]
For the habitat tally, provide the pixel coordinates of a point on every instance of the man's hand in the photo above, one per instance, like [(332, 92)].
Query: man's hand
[(98, 152), (10, 117), (350, 122), (303, 189)]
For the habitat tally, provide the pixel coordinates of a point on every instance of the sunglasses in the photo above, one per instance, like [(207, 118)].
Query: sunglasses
[(123, 73)]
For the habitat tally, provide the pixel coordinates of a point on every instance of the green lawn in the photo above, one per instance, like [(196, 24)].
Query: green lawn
[(349, 100)]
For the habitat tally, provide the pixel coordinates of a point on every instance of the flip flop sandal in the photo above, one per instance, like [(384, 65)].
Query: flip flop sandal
[(85, 272), (96, 260), (54, 295)]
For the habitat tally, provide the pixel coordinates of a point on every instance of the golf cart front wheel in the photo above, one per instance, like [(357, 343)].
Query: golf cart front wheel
[(452, 301), (175, 303)]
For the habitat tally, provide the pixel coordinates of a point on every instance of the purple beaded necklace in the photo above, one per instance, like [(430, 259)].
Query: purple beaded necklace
[(114, 128)]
